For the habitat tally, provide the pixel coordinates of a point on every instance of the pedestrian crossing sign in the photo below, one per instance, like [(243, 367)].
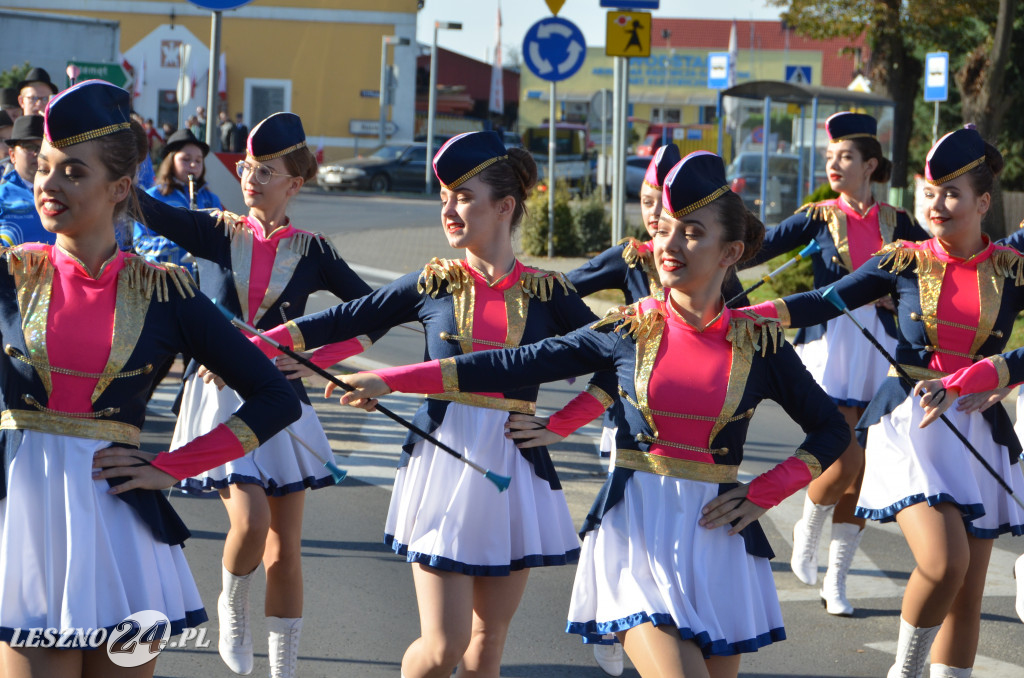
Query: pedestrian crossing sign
[(628, 35)]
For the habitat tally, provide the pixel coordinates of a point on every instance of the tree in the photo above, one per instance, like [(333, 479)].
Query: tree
[(11, 78)]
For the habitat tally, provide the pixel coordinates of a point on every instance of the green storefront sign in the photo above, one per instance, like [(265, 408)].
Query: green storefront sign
[(89, 70)]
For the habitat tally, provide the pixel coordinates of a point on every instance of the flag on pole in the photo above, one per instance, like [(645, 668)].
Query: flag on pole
[(140, 78), (222, 77), (731, 104), (497, 104), (184, 84)]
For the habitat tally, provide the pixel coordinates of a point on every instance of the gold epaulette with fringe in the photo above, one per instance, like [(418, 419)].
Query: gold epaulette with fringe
[(898, 255), (438, 271), (1010, 264), (148, 277), (631, 254), (23, 262), (299, 242), (631, 321), (540, 284), (755, 334)]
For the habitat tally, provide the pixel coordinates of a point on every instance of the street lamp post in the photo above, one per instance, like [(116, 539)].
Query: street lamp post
[(432, 98), (386, 40)]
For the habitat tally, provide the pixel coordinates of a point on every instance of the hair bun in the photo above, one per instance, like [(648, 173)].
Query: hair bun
[(525, 167)]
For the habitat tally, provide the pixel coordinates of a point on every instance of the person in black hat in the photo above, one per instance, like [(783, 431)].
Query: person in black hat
[(34, 91), (88, 540), (674, 562), (956, 297), (9, 102), (180, 181), (262, 269), (849, 229), (19, 218), (469, 545)]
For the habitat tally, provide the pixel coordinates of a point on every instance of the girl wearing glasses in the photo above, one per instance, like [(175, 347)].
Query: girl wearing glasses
[(262, 269), (85, 540)]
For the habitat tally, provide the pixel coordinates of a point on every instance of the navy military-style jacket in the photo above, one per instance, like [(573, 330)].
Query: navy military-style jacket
[(825, 223), (222, 245), (538, 304)]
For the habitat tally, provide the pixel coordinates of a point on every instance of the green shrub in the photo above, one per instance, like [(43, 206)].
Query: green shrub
[(592, 224), (566, 241)]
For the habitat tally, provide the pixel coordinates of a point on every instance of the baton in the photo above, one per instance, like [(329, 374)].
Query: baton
[(832, 297), (812, 248)]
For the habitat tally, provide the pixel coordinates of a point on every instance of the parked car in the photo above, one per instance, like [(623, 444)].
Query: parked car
[(744, 177), (393, 167)]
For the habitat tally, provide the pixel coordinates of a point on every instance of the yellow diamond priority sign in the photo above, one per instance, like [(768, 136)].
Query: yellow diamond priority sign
[(555, 5), (629, 34)]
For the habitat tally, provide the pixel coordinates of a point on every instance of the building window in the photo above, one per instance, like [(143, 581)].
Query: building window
[(266, 97), (664, 114)]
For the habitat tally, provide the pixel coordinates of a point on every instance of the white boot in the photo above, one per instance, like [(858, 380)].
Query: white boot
[(235, 644), (845, 539), (284, 645), (1018, 574), (943, 671), (912, 650), (609, 658), (806, 535)]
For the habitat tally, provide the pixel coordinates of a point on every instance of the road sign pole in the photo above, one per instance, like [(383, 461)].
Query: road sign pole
[(552, 136), (213, 79), (620, 164), (718, 117), (766, 128), (935, 125), (431, 105), (613, 167)]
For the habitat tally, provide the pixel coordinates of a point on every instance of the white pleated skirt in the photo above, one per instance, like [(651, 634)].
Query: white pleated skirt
[(280, 465), (905, 465), (73, 556), (844, 363), (445, 515), (649, 561)]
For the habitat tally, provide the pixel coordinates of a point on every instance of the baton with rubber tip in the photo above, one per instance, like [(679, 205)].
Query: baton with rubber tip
[(831, 296), (500, 481), (812, 248)]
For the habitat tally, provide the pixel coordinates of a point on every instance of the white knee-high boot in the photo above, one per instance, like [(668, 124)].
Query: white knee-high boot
[(284, 635), (806, 535), (845, 540), (912, 650), (1018, 574), (943, 671), (235, 644)]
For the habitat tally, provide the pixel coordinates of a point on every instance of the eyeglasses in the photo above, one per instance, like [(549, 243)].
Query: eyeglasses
[(35, 100), (261, 173), (28, 148)]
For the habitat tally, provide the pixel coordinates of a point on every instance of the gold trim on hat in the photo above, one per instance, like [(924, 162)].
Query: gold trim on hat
[(855, 135), (271, 156), (960, 172), (475, 171), (89, 136), (703, 202)]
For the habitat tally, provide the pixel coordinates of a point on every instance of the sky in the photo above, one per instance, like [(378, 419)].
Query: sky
[(479, 19)]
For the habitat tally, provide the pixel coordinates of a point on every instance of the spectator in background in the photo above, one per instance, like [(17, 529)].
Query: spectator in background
[(144, 175), (19, 220), (241, 134), (200, 122), (34, 91), (6, 125), (225, 131), (9, 103), (156, 140), (192, 125)]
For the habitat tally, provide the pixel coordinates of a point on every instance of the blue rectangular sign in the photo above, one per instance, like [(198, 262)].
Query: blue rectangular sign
[(718, 70), (936, 76), (630, 4)]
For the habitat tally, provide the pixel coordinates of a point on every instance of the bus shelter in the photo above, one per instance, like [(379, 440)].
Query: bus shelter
[(831, 99)]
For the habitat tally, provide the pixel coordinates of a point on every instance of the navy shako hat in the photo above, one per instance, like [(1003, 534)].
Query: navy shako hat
[(87, 111), (665, 158), (846, 125), (464, 156), (180, 139), (696, 181), (954, 155), (26, 128), (278, 135), (37, 75)]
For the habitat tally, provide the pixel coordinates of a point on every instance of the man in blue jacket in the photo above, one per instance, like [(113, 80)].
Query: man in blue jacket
[(19, 220)]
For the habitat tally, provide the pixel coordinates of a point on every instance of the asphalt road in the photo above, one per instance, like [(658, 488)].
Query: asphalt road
[(360, 609)]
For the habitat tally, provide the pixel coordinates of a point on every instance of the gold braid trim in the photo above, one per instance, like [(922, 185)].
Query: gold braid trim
[(448, 271), (540, 284), (755, 335), (600, 395), (278, 154), (90, 135), (1009, 264), (48, 422), (813, 465), (244, 434), (677, 468), (898, 255), (147, 278), (960, 172), (1002, 369), (298, 341)]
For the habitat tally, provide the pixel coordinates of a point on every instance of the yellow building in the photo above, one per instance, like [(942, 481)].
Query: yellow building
[(317, 58)]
